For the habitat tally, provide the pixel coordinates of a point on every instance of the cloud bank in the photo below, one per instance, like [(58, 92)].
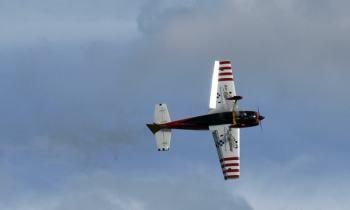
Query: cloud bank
[(79, 80)]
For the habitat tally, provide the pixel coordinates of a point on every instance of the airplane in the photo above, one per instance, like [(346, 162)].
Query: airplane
[(224, 120)]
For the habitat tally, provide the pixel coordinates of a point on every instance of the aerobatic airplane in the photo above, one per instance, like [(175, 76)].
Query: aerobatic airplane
[(224, 120)]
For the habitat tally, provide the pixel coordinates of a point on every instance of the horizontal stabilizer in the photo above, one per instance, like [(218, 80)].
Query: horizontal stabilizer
[(163, 138), (161, 114), (163, 135)]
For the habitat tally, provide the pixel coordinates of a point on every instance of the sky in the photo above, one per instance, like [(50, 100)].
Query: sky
[(79, 80)]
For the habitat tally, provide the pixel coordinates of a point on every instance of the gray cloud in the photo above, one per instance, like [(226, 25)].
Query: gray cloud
[(104, 190), (251, 30), (62, 92), (295, 57), (64, 101), (72, 23), (295, 184), (75, 88)]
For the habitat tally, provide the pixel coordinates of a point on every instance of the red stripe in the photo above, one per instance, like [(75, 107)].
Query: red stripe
[(226, 79), (224, 67), (225, 62), (229, 164), (229, 158), (230, 170), (232, 177), (226, 73)]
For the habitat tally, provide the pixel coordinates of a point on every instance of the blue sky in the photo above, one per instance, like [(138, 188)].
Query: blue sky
[(79, 80)]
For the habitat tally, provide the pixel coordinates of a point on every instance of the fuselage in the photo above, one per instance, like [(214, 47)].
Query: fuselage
[(237, 119)]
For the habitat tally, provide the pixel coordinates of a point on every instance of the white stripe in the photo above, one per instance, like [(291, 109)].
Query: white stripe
[(226, 77), (225, 71), (231, 173), (230, 161), (231, 167), (225, 65)]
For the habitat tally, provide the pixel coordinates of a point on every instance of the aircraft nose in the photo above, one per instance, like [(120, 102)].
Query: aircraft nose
[(261, 117)]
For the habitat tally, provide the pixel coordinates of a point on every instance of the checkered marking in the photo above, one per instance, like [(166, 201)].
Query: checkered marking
[(221, 143)]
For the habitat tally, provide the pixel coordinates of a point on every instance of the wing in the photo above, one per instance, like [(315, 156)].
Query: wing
[(227, 144), (223, 87)]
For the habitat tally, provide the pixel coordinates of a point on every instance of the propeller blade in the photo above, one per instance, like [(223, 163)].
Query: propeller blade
[(260, 121)]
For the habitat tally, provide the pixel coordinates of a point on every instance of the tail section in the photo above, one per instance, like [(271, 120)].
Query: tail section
[(154, 127), (163, 135)]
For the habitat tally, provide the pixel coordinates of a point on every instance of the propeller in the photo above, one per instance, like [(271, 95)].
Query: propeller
[(260, 118)]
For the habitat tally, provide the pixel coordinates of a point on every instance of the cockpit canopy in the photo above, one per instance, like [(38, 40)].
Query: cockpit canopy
[(246, 115)]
